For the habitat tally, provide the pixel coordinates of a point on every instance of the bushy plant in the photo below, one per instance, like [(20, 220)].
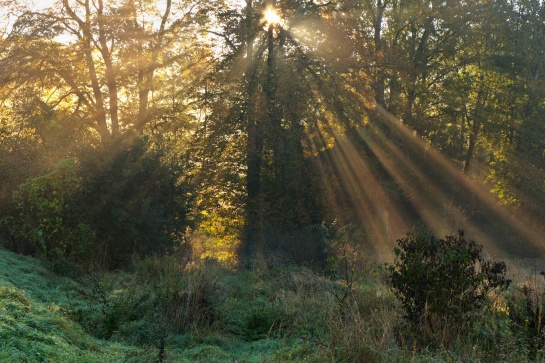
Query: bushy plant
[(441, 282), (184, 296), (44, 214), (135, 199), (348, 262), (110, 304)]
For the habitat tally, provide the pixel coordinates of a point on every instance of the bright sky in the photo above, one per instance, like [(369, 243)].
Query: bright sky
[(7, 15), (271, 16)]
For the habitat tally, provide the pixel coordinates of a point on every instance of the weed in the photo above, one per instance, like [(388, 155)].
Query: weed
[(525, 307)]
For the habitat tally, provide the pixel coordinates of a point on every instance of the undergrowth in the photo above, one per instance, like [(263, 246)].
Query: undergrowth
[(171, 310)]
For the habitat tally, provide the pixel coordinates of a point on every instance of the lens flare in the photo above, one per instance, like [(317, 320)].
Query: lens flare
[(271, 17)]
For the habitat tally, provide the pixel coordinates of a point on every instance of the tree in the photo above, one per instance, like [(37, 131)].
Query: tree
[(276, 90), (80, 80), (113, 57)]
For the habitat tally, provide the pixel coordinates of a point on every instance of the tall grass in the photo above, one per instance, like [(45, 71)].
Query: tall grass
[(168, 309)]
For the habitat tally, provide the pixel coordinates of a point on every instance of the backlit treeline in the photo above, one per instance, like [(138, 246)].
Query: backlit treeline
[(242, 115)]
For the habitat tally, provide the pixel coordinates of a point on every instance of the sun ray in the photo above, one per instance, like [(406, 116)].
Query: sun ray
[(446, 182)]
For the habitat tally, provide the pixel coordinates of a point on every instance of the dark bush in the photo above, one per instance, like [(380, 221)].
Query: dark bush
[(101, 207), (442, 282), (134, 198)]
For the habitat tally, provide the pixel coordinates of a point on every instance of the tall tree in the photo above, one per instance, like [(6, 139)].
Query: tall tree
[(114, 57), (282, 68)]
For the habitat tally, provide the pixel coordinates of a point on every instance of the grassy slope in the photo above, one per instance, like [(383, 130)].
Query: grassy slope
[(33, 324), (280, 315), (36, 326)]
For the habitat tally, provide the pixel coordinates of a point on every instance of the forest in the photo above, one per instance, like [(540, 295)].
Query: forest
[(264, 181)]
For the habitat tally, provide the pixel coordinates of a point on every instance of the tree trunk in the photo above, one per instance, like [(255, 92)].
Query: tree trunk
[(419, 69), (252, 234), (379, 71), (85, 26), (478, 118), (146, 70), (471, 148), (272, 110), (110, 72)]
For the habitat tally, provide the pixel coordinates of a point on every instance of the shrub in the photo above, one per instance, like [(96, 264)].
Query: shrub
[(134, 199), (101, 208), (44, 213), (184, 297), (348, 262), (110, 304), (441, 282)]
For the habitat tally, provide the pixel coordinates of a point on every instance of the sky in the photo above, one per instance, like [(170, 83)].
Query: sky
[(8, 9), (7, 13)]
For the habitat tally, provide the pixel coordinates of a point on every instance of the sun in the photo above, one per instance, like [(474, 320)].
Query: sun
[(271, 17)]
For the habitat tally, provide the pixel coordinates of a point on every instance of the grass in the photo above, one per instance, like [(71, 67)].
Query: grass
[(33, 324), (207, 312), (48, 318)]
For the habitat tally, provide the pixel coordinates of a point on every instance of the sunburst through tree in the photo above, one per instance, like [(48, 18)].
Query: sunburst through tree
[(307, 106)]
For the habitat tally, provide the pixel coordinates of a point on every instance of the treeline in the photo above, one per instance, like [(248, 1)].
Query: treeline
[(123, 123)]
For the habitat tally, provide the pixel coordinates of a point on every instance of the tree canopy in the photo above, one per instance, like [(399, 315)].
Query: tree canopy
[(264, 121)]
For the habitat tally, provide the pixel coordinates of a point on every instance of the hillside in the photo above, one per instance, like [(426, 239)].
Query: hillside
[(35, 324), (47, 318), (207, 312)]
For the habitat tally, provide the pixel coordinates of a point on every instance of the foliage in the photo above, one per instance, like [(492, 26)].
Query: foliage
[(101, 81), (34, 137), (103, 207), (443, 283), (44, 216), (134, 199), (252, 109)]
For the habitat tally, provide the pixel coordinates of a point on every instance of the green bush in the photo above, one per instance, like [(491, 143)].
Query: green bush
[(442, 282), (44, 213), (101, 208)]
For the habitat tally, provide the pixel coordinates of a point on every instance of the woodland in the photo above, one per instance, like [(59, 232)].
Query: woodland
[(262, 181)]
